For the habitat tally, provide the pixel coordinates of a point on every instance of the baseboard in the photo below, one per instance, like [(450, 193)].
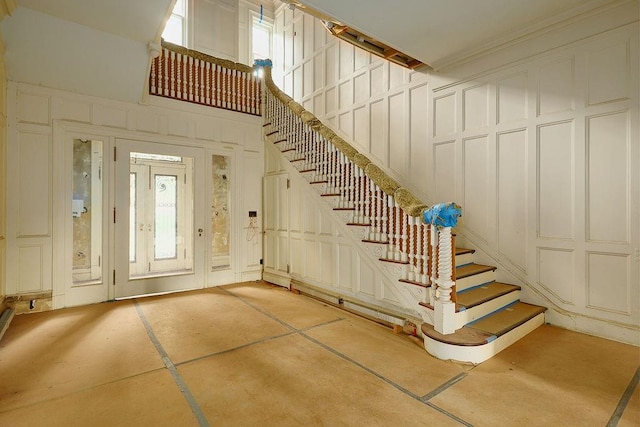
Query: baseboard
[(30, 303), (276, 279)]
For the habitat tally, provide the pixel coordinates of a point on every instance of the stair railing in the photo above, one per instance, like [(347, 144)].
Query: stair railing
[(413, 234), (187, 75)]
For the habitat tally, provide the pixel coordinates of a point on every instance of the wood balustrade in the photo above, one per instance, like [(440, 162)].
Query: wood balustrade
[(187, 75)]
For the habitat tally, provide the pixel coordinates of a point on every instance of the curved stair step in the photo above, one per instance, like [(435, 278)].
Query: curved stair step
[(472, 269)]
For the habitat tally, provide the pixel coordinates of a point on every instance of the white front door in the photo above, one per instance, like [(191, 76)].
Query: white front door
[(159, 218)]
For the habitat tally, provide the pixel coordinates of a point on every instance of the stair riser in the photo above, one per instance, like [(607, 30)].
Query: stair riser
[(488, 307), (478, 354), (475, 280), (464, 259)]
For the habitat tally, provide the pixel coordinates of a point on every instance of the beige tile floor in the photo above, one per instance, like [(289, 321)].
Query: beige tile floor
[(255, 354)]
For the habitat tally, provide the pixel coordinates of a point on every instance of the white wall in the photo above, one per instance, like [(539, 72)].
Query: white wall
[(41, 120), (538, 142)]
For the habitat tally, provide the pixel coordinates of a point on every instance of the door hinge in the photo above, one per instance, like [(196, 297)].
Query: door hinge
[(288, 183), (114, 215), (288, 269), (114, 277), (115, 156)]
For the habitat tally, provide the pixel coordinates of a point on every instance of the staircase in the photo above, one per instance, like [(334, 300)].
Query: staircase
[(488, 315)]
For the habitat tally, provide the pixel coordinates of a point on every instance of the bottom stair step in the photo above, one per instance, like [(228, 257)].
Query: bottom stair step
[(485, 337)]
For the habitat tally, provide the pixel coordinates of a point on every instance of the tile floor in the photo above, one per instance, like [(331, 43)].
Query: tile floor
[(256, 354)]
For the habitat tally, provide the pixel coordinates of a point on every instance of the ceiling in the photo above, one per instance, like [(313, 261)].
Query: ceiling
[(139, 20), (441, 32)]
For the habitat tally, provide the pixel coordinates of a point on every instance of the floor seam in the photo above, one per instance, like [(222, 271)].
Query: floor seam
[(433, 393), (177, 378), (383, 378), (624, 400)]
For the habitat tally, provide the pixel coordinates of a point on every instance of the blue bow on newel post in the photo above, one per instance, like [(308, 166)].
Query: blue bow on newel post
[(443, 215)]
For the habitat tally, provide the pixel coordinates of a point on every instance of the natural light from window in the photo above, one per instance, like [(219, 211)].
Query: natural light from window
[(260, 40), (176, 29)]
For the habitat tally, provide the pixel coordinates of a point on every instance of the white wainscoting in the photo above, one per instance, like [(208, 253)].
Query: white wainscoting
[(541, 151)]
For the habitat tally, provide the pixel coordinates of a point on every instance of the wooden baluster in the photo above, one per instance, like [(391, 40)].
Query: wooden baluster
[(207, 83), (152, 77)]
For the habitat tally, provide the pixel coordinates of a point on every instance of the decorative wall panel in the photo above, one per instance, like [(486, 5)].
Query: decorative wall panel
[(397, 141), (608, 78), (361, 87), (346, 278), (555, 181), (378, 84), (445, 171), (512, 98), (378, 141), (608, 178), (475, 185), (30, 269), (33, 109), (34, 188), (556, 87), (345, 95), (361, 128), (418, 137), (476, 109), (556, 273), (444, 112), (346, 59), (512, 196), (608, 282)]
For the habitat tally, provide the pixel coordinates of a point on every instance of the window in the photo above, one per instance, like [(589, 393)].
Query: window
[(260, 39), (176, 29)]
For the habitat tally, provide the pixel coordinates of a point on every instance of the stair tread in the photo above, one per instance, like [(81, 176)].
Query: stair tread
[(489, 327), (503, 320), (463, 251), (479, 294), (471, 269)]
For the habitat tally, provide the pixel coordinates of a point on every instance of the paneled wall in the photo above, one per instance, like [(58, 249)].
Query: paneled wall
[(541, 151), (3, 172), (40, 122)]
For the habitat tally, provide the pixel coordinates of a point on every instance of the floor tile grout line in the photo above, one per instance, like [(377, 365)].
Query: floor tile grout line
[(177, 378), (624, 400), (383, 378), (433, 393), (240, 347), (82, 390)]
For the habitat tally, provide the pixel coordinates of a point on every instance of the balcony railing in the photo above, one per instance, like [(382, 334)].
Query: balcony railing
[(186, 75)]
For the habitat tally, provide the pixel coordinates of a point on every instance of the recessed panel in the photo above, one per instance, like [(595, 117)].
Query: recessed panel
[(111, 117), (361, 91), (30, 269), (330, 101), (475, 185), (345, 92), (331, 60), (346, 59), (555, 181), (361, 128), (444, 110), (318, 105), (318, 74), (345, 266), (608, 282), (177, 126), (556, 273), (362, 58), (311, 259), (367, 278), (476, 110), (396, 76), (147, 122), (556, 87), (397, 141), (309, 218), (346, 124), (33, 108), (77, 111), (608, 74), (419, 146), (308, 35), (377, 81), (445, 171), (320, 33), (283, 253), (34, 199), (298, 38), (297, 83), (512, 196), (378, 142), (308, 78), (327, 264), (608, 178), (297, 261), (512, 98)]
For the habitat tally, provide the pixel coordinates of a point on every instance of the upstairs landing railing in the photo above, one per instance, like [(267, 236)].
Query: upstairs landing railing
[(187, 75), (413, 234)]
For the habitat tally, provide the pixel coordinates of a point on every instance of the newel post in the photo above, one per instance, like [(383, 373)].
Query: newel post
[(443, 216)]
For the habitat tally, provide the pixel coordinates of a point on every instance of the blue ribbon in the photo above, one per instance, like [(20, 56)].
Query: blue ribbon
[(443, 215), (261, 63)]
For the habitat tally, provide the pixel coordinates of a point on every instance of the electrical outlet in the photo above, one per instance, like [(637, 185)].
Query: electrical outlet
[(253, 214)]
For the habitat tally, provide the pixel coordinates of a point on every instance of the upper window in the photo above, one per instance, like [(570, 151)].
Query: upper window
[(176, 29), (260, 40)]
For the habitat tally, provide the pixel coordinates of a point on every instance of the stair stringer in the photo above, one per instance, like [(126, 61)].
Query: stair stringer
[(407, 297)]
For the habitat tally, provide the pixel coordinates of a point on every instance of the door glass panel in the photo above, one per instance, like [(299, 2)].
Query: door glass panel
[(221, 214), (86, 207), (160, 215), (166, 216)]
